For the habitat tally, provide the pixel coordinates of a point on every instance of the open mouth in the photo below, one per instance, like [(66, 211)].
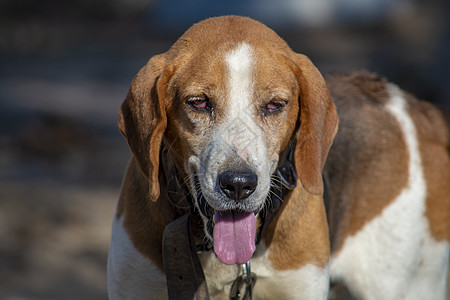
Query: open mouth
[(233, 231)]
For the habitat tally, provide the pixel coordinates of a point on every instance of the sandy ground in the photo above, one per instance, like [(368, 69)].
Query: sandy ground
[(54, 247)]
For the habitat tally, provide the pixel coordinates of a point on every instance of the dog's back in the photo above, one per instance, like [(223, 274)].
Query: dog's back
[(388, 178)]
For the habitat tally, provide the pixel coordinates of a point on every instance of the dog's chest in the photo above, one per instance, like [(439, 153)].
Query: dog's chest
[(308, 282)]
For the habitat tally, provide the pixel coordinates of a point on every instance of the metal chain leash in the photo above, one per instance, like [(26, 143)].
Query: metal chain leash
[(242, 287)]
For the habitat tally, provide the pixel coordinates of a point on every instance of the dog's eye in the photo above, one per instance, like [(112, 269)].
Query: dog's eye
[(274, 106), (199, 103)]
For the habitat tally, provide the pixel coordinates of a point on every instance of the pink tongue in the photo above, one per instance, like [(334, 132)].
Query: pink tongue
[(234, 236)]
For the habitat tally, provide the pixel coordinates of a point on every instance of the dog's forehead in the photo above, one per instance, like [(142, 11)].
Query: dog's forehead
[(228, 30), (204, 46), (210, 69)]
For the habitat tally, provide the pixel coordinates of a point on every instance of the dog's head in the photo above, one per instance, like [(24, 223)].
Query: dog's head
[(227, 99)]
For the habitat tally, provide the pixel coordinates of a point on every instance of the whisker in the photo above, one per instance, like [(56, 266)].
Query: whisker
[(274, 179), (273, 193), (171, 145)]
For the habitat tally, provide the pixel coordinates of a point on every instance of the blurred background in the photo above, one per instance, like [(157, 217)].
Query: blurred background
[(65, 67)]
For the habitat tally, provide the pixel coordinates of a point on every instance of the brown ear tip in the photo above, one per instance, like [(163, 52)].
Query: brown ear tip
[(314, 188), (154, 193), (121, 124)]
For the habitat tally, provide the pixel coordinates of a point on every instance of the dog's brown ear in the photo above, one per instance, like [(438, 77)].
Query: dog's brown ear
[(143, 120), (318, 122)]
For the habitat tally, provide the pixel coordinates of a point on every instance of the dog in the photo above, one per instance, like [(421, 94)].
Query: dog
[(366, 211)]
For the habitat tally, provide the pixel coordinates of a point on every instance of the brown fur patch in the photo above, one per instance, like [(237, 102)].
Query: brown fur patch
[(318, 124), (144, 219), (142, 119), (368, 162), (433, 140), (298, 235)]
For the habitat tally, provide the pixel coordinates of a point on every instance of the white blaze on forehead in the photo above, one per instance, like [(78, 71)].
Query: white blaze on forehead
[(241, 132), (240, 64)]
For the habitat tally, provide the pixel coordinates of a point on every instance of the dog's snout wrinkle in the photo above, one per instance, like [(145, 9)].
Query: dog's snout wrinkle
[(238, 185)]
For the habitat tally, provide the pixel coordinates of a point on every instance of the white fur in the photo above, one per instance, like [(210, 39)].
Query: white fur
[(429, 281), (240, 87), (308, 282), (130, 274), (394, 256)]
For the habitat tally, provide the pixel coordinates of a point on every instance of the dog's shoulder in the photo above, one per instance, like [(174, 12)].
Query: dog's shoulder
[(356, 86)]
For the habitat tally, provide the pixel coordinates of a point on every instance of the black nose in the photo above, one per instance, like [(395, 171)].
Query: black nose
[(238, 185)]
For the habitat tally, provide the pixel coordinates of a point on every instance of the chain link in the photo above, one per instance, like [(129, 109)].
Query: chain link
[(242, 287)]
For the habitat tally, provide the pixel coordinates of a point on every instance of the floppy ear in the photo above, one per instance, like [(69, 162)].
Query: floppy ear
[(143, 120), (318, 123)]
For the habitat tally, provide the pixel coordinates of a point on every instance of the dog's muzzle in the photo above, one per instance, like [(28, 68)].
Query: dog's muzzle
[(233, 231)]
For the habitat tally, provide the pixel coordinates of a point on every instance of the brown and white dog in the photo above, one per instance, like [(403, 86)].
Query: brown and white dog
[(225, 100)]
